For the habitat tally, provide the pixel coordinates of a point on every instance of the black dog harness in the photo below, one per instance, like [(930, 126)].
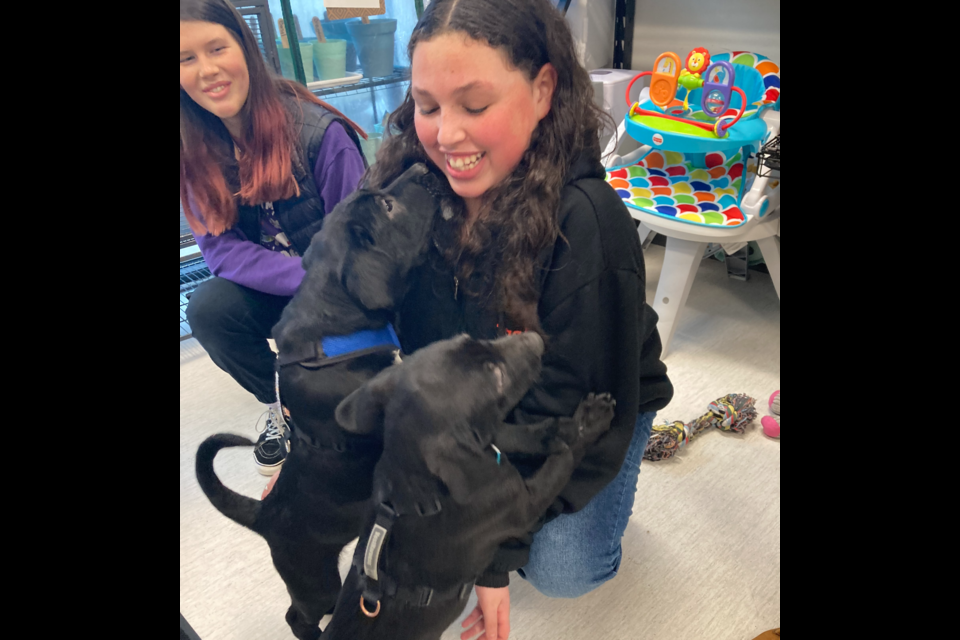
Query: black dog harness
[(326, 353), (377, 586), (336, 349)]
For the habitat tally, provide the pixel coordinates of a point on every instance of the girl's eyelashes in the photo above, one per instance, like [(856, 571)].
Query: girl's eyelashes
[(473, 112)]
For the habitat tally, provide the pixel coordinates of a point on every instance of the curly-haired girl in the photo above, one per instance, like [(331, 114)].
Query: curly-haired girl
[(501, 106)]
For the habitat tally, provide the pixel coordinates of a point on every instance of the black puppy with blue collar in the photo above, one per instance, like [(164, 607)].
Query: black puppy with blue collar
[(333, 337)]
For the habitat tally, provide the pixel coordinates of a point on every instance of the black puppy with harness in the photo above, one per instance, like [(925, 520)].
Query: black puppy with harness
[(333, 337), (445, 493)]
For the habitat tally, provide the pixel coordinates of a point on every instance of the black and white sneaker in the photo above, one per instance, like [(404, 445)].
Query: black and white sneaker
[(273, 444)]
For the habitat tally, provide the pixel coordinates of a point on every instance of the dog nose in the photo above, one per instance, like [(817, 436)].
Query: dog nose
[(432, 183), (532, 341), (417, 170)]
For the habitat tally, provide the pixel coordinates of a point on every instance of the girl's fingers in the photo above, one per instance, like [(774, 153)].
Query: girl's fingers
[(492, 628), (504, 626), (472, 619), (474, 633)]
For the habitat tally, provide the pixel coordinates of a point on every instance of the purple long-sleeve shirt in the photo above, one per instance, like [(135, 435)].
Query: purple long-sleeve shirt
[(243, 260)]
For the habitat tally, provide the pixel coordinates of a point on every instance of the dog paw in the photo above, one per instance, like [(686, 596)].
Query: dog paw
[(595, 415)]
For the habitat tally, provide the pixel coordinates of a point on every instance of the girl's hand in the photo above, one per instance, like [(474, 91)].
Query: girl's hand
[(491, 618)]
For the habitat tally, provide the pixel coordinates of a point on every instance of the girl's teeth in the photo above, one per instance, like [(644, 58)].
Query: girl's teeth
[(462, 164)]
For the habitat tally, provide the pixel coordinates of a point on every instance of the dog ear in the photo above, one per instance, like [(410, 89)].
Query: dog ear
[(373, 280), (362, 411), (447, 459), (313, 252)]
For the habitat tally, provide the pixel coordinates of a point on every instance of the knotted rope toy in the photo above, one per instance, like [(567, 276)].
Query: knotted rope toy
[(732, 414)]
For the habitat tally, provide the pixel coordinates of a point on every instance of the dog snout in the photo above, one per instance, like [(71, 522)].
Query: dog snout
[(431, 182), (416, 171), (521, 354), (411, 175), (533, 342), (517, 346)]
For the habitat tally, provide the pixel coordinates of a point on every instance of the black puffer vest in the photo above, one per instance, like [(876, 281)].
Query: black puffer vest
[(301, 217)]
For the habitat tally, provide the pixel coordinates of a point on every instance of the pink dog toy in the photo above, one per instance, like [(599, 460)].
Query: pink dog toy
[(771, 426)]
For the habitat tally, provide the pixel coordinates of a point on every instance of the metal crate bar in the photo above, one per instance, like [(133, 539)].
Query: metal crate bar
[(192, 275), (185, 333), (257, 15), (769, 159), (399, 75)]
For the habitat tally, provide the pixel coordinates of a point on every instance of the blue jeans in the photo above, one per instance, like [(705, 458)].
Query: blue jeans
[(576, 553)]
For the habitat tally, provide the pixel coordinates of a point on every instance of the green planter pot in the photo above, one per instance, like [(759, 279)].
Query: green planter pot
[(331, 59), (286, 61), (337, 30), (374, 44)]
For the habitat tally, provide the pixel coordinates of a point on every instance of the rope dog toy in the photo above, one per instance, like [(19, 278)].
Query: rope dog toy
[(733, 414)]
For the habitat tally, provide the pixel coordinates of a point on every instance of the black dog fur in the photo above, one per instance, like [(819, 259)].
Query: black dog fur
[(357, 267), (441, 410)]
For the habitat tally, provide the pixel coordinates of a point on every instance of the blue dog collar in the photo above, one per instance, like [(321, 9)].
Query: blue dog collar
[(332, 350), (342, 345)]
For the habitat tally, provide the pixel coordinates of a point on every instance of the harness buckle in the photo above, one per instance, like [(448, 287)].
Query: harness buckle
[(426, 597), (363, 607)]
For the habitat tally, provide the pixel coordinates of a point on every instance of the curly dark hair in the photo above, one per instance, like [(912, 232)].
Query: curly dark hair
[(520, 216)]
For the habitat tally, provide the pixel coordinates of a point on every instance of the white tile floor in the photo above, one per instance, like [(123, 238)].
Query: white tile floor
[(701, 554)]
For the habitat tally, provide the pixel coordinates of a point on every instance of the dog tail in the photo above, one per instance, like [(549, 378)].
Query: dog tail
[(241, 509)]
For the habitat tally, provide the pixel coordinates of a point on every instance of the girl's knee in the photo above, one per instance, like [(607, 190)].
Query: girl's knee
[(209, 305), (571, 582)]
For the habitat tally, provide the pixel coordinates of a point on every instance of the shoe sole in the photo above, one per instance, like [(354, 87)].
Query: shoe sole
[(268, 471)]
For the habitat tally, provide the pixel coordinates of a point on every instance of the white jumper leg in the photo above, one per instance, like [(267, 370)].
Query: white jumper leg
[(771, 255), (646, 236), (680, 265)]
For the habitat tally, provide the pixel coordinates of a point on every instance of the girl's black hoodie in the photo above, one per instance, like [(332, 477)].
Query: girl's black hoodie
[(601, 335)]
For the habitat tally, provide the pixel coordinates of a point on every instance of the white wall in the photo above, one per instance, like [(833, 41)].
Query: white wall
[(591, 22), (719, 25)]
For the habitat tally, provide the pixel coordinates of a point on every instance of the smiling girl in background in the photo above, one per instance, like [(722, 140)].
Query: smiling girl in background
[(261, 163)]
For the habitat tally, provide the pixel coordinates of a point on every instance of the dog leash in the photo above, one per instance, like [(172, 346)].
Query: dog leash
[(378, 586)]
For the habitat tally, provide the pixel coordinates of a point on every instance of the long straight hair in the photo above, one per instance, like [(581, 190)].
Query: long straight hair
[(268, 137), (521, 215)]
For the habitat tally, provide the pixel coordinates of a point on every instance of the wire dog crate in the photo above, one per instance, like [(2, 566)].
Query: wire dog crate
[(256, 13), (192, 274), (186, 236), (769, 159)]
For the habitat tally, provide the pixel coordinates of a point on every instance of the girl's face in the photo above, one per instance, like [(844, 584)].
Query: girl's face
[(475, 112), (213, 71)]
